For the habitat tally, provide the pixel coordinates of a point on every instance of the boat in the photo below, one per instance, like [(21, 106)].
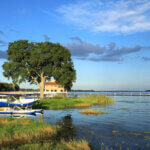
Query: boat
[(16, 100), (16, 110)]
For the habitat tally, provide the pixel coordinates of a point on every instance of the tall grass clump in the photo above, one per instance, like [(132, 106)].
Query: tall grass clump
[(23, 130), (29, 134), (73, 102), (62, 145), (90, 112)]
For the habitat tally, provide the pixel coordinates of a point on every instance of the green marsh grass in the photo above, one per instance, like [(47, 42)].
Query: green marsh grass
[(24, 130), (73, 102), (92, 112), (29, 134), (62, 145)]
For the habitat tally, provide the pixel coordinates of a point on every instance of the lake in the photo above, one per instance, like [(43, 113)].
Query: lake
[(126, 126)]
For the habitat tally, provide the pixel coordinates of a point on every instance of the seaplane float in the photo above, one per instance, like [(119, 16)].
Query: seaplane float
[(17, 104)]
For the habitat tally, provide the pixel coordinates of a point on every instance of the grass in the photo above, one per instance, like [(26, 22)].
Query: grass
[(62, 145), (31, 134), (13, 131), (136, 133), (147, 137), (73, 102), (114, 131), (92, 112)]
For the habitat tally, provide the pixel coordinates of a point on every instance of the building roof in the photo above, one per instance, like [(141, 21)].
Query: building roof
[(50, 83)]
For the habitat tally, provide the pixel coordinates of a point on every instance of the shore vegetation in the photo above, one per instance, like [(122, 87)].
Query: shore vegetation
[(26, 133), (62, 145), (23, 130), (73, 102)]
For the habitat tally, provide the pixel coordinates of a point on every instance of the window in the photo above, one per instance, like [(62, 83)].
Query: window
[(51, 90), (55, 90), (61, 90)]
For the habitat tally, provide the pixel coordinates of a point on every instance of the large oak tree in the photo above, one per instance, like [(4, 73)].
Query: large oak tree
[(37, 62)]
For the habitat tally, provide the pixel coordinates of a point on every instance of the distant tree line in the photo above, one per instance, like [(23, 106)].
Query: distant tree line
[(9, 87), (82, 90), (35, 90)]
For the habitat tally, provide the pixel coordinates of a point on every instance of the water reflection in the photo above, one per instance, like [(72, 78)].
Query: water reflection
[(41, 117), (18, 115), (67, 131)]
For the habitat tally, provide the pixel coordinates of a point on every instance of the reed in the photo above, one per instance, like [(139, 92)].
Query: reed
[(62, 145), (90, 112), (13, 131), (82, 105), (73, 102)]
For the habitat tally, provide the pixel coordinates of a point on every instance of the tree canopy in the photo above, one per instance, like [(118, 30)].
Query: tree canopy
[(37, 62), (8, 87)]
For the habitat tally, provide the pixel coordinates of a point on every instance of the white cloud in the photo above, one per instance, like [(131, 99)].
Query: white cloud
[(122, 16)]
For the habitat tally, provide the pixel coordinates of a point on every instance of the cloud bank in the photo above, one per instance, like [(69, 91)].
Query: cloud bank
[(86, 51), (146, 58), (122, 16)]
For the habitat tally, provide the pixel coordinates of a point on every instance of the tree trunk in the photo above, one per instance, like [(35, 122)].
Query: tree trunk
[(42, 87), (41, 93)]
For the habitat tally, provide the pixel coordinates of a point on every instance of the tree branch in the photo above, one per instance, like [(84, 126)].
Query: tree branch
[(32, 77)]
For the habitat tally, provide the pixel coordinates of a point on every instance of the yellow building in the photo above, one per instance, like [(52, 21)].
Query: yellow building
[(54, 87)]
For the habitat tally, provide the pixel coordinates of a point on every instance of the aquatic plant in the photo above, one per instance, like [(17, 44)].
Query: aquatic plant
[(114, 131), (136, 133), (90, 112), (147, 132), (147, 137), (82, 105), (73, 102)]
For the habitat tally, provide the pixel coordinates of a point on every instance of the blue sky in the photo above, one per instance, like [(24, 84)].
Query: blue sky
[(109, 40)]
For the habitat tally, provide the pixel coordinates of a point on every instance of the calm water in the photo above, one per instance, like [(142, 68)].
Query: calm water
[(126, 126), (112, 93)]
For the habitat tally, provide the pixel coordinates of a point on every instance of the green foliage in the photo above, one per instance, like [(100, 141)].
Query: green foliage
[(73, 102), (28, 60), (8, 87)]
